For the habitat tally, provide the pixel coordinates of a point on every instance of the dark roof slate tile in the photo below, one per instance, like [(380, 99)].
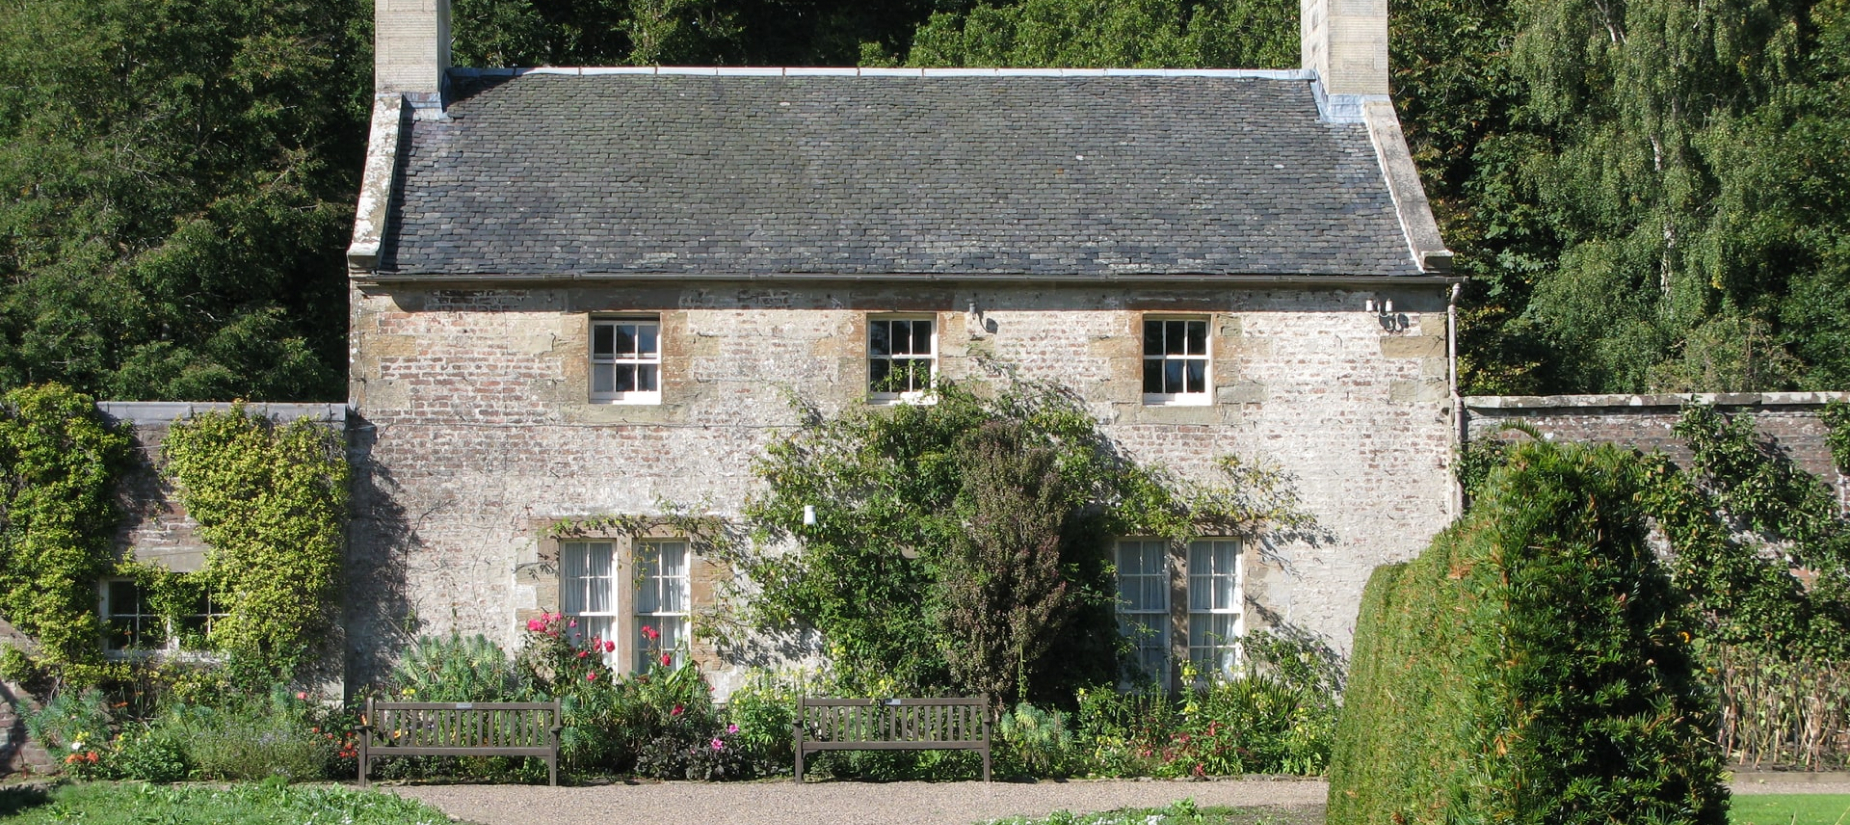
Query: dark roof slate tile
[(545, 175)]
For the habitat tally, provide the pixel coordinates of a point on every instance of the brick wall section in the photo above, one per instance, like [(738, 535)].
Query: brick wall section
[(155, 527), (474, 429), (1789, 419)]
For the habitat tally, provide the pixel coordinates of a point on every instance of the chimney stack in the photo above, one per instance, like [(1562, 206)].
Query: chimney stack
[(1346, 43), (411, 50)]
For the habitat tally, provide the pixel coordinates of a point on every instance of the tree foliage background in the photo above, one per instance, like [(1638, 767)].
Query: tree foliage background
[(1648, 195)]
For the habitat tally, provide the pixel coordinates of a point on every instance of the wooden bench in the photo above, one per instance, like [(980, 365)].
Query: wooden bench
[(892, 725), (460, 729)]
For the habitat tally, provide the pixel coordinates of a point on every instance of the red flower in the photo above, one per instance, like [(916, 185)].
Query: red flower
[(610, 646), (676, 711), (581, 654), (591, 677), (650, 633), (666, 658)]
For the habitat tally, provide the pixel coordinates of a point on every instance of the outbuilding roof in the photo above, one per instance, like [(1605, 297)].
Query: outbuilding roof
[(551, 175)]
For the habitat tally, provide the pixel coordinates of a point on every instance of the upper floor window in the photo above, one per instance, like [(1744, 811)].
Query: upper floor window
[(626, 360), (902, 358), (1175, 361)]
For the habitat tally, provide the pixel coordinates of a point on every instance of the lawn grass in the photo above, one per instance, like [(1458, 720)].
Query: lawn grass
[(1182, 812), (1791, 809), (135, 803)]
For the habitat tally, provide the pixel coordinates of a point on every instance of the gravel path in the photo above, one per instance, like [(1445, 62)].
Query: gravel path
[(846, 803), (906, 803)]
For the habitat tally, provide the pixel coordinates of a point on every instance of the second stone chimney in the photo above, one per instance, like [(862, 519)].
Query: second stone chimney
[(411, 50), (1346, 43)]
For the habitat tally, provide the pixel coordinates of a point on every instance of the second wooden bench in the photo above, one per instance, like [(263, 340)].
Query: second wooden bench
[(891, 725)]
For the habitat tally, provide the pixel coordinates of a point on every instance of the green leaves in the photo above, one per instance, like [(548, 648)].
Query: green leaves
[(271, 501), (58, 466)]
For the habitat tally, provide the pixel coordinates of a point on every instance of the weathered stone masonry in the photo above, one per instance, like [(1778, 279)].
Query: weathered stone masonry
[(475, 431)]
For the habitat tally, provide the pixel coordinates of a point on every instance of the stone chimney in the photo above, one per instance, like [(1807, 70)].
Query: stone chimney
[(1346, 43), (411, 50)]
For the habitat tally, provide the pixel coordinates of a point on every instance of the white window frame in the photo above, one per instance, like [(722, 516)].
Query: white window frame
[(1162, 359), (170, 634), (648, 554), (1223, 655), (931, 358), (644, 363), (1136, 623), (584, 623)]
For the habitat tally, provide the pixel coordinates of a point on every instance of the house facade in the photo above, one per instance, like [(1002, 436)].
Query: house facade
[(580, 293)]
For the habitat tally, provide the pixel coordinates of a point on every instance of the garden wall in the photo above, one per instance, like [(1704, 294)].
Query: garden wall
[(1790, 419)]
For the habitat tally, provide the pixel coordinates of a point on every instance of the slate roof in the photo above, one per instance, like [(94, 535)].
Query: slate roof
[(550, 175)]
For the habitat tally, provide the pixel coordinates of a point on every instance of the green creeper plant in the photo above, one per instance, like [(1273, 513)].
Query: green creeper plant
[(59, 462), (271, 501), (992, 509)]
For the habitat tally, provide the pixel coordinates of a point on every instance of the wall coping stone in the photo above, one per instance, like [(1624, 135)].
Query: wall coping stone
[(164, 412), (1719, 399)]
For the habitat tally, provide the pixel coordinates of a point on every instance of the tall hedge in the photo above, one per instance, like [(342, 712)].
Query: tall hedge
[(1532, 666)]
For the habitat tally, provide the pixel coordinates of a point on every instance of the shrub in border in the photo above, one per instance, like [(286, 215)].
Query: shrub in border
[(1532, 665)]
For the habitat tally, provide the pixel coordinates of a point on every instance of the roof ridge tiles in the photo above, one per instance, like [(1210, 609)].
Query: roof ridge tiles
[(849, 71)]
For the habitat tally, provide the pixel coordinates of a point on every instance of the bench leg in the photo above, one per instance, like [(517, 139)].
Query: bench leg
[(985, 764), (799, 776), (552, 771)]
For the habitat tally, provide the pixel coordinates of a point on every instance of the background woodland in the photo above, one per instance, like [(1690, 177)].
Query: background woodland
[(1648, 195)]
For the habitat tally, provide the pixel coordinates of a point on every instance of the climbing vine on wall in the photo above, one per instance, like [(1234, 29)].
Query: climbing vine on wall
[(271, 503), (1836, 418), (59, 461), (965, 545)]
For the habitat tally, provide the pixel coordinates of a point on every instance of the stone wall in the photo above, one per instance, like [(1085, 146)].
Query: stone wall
[(1788, 419), (474, 431)]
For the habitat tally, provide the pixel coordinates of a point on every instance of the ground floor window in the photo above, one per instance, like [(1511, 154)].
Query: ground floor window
[(131, 623), (1208, 607), (639, 600)]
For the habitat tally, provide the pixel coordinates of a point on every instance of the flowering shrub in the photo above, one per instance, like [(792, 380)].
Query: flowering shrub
[(658, 723), (76, 725)]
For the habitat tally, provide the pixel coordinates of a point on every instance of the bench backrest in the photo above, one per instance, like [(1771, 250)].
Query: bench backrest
[(895, 720), (462, 724)]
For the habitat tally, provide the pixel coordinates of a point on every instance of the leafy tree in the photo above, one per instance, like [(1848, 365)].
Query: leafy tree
[(176, 186), (1162, 33)]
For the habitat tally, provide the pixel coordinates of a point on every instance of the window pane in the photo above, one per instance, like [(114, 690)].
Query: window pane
[(918, 375), (646, 339), (1197, 337), (571, 578), (1197, 376), (626, 340), (1172, 376), (602, 340), (902, 338), (603, 378), (877, 372), (1152, 338), (625, 377), (1152, 375), (921, 337), (879, 338), (124, 598), (1175, 337), (646, 377)]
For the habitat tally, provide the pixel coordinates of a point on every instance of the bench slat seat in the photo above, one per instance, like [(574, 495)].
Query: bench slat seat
[(461, 729), (828, 724)]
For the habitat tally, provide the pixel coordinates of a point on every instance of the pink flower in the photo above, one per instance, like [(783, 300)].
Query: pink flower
[(650, 633), (572, 623), (732, 728), (301, 695), (535, 625), (718, 745), (591, 677), (666, 658), (581, 654), (676, 711), (610, 647)]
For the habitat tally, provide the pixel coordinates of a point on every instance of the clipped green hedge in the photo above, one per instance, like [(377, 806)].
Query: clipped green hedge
[(1532, 666)]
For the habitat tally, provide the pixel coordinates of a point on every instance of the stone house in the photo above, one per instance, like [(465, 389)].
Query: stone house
[(587, 292)]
